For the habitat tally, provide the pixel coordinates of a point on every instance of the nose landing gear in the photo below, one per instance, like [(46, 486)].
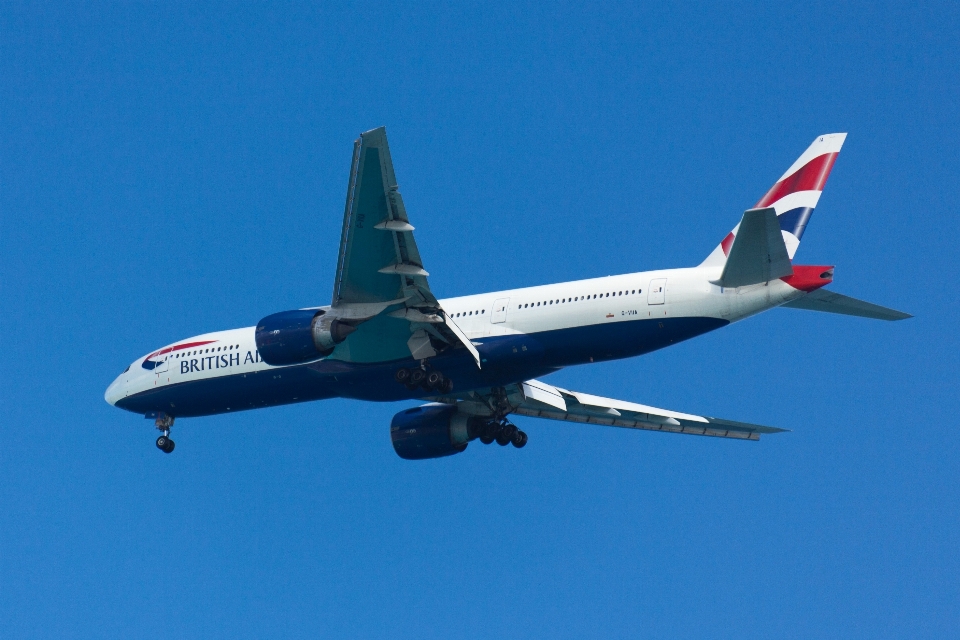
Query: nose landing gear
[(165, 444), (163, 423)]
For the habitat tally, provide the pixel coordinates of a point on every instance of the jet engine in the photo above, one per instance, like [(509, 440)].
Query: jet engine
[(431, 431), (296, 336)]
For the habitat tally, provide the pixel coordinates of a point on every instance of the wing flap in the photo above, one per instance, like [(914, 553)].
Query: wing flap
[(543, 393)]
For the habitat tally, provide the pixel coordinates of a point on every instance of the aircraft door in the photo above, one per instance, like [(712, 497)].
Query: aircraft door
[(500, 310), (657, 291)]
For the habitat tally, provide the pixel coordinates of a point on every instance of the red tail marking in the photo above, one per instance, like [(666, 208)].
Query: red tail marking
[(810, 177), (809, 278), (726, 242)]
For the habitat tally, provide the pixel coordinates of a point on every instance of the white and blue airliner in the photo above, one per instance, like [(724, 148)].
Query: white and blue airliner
[(477, 359)]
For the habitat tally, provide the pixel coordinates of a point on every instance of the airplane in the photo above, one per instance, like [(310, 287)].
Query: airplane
[(477, 359)]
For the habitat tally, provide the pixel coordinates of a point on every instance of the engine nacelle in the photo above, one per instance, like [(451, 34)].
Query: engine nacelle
[(431, 431), (296, 336)]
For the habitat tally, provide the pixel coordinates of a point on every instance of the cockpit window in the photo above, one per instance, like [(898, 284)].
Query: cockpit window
[(127, 369)]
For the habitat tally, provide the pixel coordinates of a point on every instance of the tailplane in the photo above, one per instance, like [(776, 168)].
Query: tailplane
[(794, 196), (831, 302)]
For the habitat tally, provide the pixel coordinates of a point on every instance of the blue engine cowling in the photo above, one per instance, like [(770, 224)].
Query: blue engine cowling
[(430, 431), (290, 337)]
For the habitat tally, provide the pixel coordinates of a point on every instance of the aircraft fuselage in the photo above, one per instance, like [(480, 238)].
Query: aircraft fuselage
[(519, 334)]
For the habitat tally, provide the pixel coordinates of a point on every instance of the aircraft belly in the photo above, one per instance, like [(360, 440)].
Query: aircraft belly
[(238, 392), (624, 339)]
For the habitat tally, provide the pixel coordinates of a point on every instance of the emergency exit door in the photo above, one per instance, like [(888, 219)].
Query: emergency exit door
[(657, 291), (500, 310)]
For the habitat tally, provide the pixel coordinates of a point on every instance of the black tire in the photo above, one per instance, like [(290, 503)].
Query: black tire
[(486, 439), (520, 440), (416, 377), (447, 385), (434, 380), (505, 435), (170, 445), (162, 443), (402, 375)]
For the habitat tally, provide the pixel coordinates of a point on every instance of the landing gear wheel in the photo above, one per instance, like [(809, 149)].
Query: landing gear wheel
[(520, 439), (402, 375), (416, 377), (505, 434), (165, 444), (447, 385), (488, 432), (434, 380)]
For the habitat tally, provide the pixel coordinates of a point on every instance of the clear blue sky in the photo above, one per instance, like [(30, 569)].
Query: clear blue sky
[(170, 171)]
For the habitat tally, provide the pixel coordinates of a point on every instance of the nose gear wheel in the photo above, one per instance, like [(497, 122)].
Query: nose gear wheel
[(164, 423)]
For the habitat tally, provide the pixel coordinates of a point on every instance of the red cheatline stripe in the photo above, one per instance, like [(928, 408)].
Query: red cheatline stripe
[(810, 177), (178, 347)]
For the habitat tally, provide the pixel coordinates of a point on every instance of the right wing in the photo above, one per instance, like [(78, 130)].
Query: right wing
[(381, 289), (378, 259), (537, 399), (831, 302)]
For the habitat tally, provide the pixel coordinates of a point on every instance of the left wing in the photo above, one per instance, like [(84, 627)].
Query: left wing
[(381, 288), (537, 399)]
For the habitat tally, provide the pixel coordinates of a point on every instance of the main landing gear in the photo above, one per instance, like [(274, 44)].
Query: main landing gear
[(427, 380), (163, 423), (503, 433)]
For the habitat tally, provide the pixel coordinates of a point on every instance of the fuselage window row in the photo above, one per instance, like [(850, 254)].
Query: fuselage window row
[(193, 353), (579, 298)]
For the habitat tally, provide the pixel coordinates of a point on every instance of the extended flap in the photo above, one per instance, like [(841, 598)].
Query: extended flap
[(536, 390)]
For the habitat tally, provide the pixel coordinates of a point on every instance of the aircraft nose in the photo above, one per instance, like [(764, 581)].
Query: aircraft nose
[(114, 392)]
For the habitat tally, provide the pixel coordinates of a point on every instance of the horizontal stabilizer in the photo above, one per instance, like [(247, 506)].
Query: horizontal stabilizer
[(758, 253), (830, 302)]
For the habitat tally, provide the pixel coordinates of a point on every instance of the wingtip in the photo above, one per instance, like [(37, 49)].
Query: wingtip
[(382, 130)]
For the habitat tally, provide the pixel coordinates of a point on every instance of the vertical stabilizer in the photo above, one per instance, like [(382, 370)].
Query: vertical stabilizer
[(794, 196)]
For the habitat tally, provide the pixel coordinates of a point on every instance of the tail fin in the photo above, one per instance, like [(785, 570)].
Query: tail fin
[(794, 196)]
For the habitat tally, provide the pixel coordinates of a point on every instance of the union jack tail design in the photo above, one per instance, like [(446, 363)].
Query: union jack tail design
[(794, 196)]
